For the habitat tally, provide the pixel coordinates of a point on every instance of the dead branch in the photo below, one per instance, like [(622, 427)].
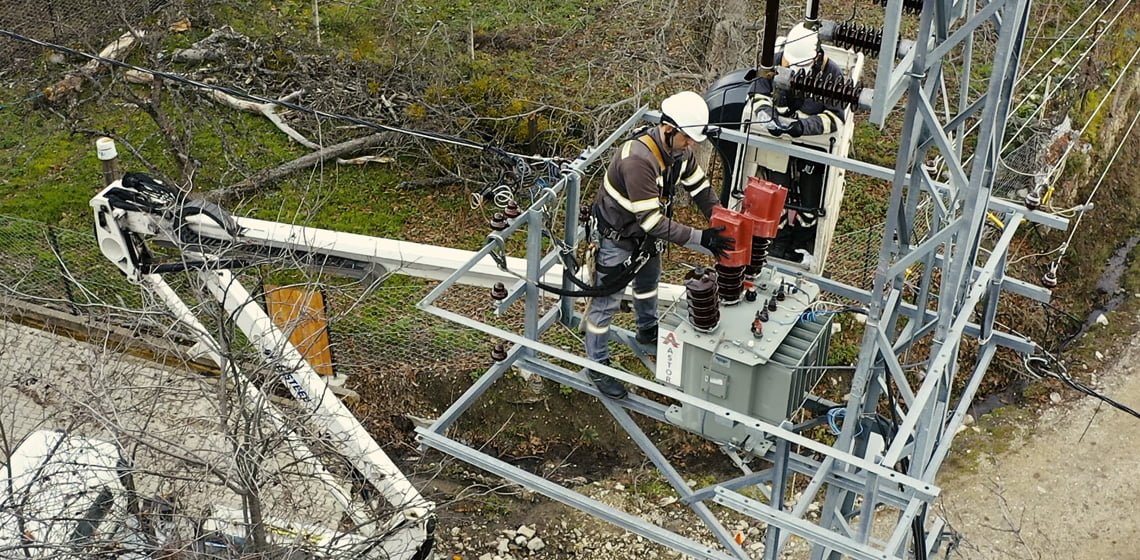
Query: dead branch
[(268, 110), (73, 82), (211, 48), (304, 162)]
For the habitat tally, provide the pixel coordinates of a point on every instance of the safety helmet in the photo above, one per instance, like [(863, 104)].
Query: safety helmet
[(800, 46), (688, 112)]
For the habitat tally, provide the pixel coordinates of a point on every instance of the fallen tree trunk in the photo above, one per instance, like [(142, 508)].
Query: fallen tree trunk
[(304, 162)]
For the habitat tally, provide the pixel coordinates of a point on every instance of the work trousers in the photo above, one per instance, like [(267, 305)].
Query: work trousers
[(601, 311)]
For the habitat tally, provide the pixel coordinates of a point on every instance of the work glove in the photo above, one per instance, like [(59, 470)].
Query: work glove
[(716, 243), (795, 129)]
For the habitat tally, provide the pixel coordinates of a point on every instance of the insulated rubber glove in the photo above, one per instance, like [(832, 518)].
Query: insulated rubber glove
[(795, 129), (716, 243)]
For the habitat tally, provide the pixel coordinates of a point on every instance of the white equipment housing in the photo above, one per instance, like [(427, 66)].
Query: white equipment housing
[(121, 226), (837, 143)]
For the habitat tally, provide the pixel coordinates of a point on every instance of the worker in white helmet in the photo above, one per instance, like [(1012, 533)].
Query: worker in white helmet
[(633, 212), (796, 116)]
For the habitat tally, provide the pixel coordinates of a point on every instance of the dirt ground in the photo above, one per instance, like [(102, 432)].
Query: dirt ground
[(1063, 492)]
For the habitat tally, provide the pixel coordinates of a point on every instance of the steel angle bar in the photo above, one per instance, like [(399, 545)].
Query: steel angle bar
[(485, 381), (803, 528), (966, 30), (578, 382), (876, 171), (929, 245), (959, 416), (570, 234), (934, 128), (892, 23), (569, 497), (941, 210), (922, 488), (902, 529), (886, 350), (867, 512), (947, 351), (807, 497), (497, 239), (779, 492), (518, 289), (674, 478), (751, 479), (1015, 343), (852, 481)]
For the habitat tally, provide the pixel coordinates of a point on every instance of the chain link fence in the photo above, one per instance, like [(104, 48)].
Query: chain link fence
[(377, 336), (78, 23)]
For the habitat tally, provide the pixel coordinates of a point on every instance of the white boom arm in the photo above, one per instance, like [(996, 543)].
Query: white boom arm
[(122, 220)]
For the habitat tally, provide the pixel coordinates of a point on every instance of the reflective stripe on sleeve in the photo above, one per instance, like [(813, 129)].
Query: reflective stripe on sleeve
[(651, 220), (633, 206)]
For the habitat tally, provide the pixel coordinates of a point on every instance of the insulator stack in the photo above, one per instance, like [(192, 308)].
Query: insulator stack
[(760, 247), (730, 283), (826, 87), (701, 293), (859, 38), (909, 6)]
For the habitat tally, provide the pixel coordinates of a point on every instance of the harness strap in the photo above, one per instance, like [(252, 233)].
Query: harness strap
[(649, 143)]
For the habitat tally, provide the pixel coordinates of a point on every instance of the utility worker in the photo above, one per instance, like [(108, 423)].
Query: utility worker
[(796, 117), (633, 213)]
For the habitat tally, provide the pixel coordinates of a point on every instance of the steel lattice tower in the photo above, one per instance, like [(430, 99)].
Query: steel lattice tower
[(872, 510)]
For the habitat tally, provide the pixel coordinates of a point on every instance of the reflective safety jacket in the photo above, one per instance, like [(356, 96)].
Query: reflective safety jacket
[(639, 186)]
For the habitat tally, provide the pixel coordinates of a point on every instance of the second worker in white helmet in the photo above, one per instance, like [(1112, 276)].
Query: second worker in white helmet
[(633, 211)]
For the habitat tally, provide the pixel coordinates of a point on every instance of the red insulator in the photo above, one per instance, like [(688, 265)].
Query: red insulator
[(701, 293), (757, 327), (584, 213), (764, 202), (739, 228), (512, 210), (498, 292)]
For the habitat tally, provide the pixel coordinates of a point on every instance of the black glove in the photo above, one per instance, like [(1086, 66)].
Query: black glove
[(716, 243), (795, 129)]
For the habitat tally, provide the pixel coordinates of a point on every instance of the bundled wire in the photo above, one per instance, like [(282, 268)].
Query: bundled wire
[(1038, 365)]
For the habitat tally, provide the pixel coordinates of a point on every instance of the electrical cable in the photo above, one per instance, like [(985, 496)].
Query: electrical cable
[(1036, 365), (427, 135)]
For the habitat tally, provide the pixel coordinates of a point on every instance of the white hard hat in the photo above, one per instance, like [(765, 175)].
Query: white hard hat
[(687, 111), (800, 46)]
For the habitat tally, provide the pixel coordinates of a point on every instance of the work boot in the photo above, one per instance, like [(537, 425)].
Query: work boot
[(647, 336), (609, 386)]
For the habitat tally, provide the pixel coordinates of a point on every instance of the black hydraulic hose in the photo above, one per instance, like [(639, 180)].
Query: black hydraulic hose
[(771, 26)]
